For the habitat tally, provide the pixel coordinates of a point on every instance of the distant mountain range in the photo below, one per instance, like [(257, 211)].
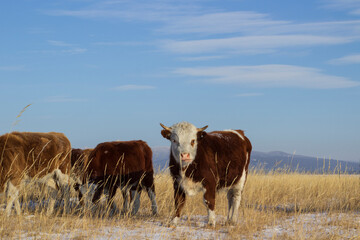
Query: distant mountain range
[(276, 161)]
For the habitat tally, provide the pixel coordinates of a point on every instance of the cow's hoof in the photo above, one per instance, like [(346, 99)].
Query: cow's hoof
[(211, 223), (175, 221), (171, 224)]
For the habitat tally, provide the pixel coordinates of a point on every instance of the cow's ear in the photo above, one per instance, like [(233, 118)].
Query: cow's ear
[(201, 135), (166, 134)]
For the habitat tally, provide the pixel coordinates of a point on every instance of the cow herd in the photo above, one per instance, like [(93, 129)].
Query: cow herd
[(199, 162)]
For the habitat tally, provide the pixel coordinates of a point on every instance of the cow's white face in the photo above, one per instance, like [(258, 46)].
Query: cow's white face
[(184, 141)]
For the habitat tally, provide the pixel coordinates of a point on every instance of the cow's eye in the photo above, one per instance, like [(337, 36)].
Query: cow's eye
[(192, 142), (174, 141)]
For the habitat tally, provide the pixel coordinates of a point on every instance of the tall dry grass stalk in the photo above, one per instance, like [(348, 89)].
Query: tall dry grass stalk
[(275, 205), (17, 120)]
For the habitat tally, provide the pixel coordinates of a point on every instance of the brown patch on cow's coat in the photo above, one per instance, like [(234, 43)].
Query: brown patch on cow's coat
[(33, 154)]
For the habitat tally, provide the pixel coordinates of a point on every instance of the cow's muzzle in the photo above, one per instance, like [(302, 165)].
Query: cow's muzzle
[(185, 157)]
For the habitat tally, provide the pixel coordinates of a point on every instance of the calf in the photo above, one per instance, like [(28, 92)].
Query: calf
[(54, 186), (206, 162), (33, 155), (124, 164)]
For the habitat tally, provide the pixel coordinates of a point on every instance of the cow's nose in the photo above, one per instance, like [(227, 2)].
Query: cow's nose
[(185, 155)]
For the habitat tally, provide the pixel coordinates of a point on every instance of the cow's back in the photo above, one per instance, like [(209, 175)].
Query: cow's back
[(33, 154), (227, 153), (119, 158)]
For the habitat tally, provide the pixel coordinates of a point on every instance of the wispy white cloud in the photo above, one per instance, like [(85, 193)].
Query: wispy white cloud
[(190, 17), (251, 32), (253, 23), (156, 10), (59, 43), (251, 44), (350, 59), (353, 6), (64, 48), (131, 87), (268, 76), (202, 58), (220, 22), (72, 51), (119, 43)]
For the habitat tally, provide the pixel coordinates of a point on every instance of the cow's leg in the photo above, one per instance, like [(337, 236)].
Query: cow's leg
[(86, 193), (135, 199), (59, 180), (98, 191), (152, 196), (112, 193), (51, 206), (234, 199), (66, 189), (148, 183), (209, 200), (179, 197), (12, 197), (78, 187), (125, 193)]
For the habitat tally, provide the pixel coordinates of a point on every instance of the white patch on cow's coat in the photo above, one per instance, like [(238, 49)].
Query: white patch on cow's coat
[(212, 218), (234, 198), (12, 197), (242, 180), (190, 187), (233, 131), (211, 214), (221, 136), (106, 152)]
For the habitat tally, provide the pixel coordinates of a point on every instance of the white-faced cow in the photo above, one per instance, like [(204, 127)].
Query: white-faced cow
[(206, 162), (124, 164), (34, 155)]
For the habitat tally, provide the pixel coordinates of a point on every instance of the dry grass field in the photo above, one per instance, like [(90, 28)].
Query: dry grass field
[(275, 206)]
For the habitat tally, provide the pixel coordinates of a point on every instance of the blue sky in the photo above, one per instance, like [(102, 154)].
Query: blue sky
[(286, 72)]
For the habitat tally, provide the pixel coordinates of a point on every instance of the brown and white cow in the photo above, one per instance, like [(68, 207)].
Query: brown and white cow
[(206, 162), (29, 154), (126, 165)]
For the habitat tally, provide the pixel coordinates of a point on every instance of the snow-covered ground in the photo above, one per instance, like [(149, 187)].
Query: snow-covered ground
[(301, 226), (290, 225), (304, 226)]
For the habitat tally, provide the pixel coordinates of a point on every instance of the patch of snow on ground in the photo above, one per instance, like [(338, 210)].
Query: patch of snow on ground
[(194, 227), (308, 224)]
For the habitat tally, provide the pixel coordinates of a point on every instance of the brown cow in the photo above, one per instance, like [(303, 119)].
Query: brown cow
[(124, 164), (79, 161), (207, 162), (27, 154)]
